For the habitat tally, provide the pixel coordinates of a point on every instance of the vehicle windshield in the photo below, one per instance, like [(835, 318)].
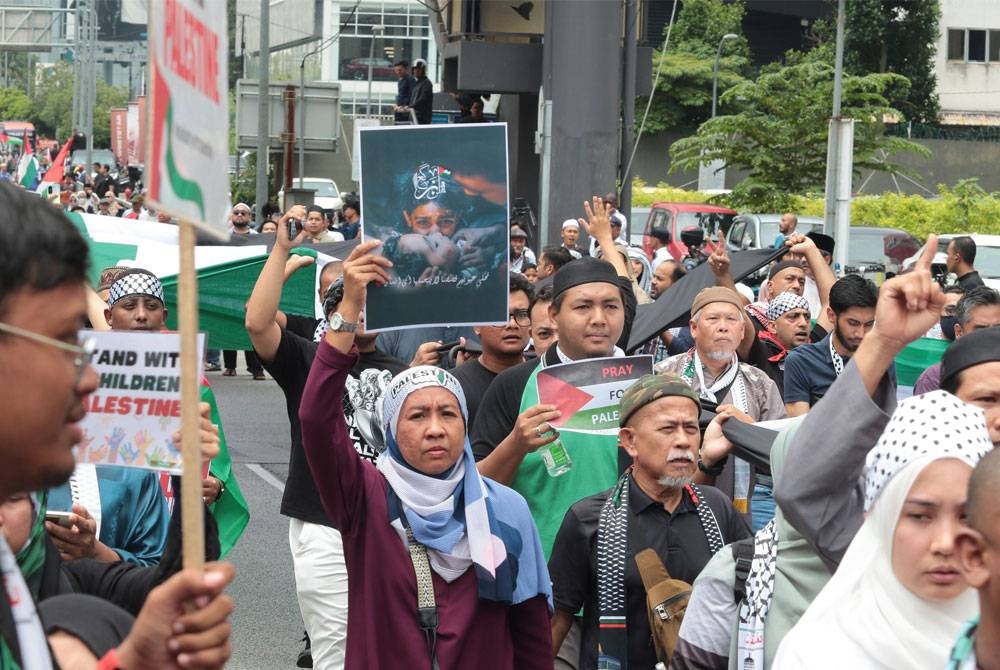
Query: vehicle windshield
[(710, 222), (874, 246), (324, 189)]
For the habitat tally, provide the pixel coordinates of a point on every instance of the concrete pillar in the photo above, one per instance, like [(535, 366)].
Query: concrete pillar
[(582, 77)]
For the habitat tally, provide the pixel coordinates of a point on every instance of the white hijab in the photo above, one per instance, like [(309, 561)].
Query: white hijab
[(864, 617)]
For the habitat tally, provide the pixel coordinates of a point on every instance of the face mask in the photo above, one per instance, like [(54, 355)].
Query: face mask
[(948, 323)]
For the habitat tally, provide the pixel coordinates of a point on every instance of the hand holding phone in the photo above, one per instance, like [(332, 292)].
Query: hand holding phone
[(58, 518)]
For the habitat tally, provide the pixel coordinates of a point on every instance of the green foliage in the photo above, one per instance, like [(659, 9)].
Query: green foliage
[(962, 208), (684, 91), (780, 135), (896, 36), (14, 104), (52, 106)]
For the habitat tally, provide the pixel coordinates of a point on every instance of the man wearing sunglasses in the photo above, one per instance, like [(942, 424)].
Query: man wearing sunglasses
[(45, 377)]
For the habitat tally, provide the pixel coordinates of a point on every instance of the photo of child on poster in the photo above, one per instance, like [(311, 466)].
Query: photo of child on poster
[(436, 196)]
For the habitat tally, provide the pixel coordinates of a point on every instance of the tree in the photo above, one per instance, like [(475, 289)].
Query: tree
[(897, 36), (14, 104), (52, 106), (683, 95), (780, 133)]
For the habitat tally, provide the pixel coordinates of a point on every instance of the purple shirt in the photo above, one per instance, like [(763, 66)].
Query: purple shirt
[(382, 630), (929, 380)]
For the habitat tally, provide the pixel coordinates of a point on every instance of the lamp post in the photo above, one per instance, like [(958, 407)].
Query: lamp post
[(376, 30), (715, 70)]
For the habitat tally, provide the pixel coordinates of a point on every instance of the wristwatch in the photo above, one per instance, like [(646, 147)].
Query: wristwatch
[(338, 325), (715, 470)]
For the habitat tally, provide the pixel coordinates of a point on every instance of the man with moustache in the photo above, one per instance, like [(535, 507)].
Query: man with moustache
[(788, 328), (812, 368), (654, 505), (726, 386)]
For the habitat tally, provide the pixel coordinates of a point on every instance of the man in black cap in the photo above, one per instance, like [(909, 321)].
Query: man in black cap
[(971, 370), (655, 505)]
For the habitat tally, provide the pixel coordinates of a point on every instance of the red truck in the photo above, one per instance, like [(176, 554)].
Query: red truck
[(676, 216)]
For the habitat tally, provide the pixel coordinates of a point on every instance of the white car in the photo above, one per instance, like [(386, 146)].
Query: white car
[(325, 193), (987, 259)]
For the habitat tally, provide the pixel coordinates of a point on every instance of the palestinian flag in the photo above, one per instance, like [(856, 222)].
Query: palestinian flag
[(226, 272), (587, 392), (231, 512), (27, 171)]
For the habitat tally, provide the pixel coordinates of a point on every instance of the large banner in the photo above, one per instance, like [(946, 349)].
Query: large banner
[(588, 392), (119, 135), (187, 157), (133, 153), (136, 409), (436, 196)]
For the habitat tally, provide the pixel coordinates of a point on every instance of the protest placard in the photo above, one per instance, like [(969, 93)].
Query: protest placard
[(436, 196), (587, 392), (136, 409), (187, 158)]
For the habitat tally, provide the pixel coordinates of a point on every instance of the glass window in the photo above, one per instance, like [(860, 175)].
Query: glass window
[(956, 44), (994, 46), (977, 46)]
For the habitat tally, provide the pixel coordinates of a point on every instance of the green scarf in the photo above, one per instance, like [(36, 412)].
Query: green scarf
[(31, 557)]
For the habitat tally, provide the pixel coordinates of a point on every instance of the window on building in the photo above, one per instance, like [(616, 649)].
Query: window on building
[(977, 46), (994, 53), (956, 44)]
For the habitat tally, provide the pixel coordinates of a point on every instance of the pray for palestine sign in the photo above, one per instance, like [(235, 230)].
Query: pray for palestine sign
[(587, 392), (187, 155)]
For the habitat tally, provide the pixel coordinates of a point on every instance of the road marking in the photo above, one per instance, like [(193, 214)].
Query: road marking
[(266, 476)]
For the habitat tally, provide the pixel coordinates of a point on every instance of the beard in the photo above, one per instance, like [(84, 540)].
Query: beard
[(719, 354), (844, 342), (673, 482)]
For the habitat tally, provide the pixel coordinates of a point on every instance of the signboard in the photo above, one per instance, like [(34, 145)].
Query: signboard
[(187, 151), (436, 196), (119, 135), (136, 409), (587, 392)]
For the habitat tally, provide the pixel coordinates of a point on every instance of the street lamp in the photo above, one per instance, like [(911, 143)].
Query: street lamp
[(715, 72), (376, 30)]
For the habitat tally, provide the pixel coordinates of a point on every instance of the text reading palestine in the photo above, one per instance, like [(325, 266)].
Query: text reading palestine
[(191, 49)]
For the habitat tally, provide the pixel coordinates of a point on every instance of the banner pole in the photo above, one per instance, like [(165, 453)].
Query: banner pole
[(192, 508)]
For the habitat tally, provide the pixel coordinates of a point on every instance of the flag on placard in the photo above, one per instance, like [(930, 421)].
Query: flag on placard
[(587, 392), (55, 173)]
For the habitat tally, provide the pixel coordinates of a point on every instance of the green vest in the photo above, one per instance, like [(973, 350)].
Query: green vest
[(595, 469)]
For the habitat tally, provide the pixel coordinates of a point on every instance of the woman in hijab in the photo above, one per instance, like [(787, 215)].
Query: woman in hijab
[(898, 600), (445, 568)]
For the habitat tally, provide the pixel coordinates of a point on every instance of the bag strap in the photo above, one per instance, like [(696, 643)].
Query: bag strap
[(743, 552), (651, 568), (713, 534), (427, 613)]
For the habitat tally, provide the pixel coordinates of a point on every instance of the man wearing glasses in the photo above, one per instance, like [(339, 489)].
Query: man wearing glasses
[(240, 220), (45, 377), (502, 346), (979, 308)]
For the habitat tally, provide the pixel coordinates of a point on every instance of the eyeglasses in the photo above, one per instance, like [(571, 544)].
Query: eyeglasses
[(84, 351), (522, 317)]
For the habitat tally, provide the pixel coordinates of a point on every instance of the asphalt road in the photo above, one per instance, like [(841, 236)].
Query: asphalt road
[(267, 627)]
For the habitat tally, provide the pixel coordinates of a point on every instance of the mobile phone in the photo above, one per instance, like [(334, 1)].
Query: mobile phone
[(57, 517), (293, 228), (448, 346)]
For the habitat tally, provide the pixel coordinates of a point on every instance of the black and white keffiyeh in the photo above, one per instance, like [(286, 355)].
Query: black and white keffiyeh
[(135, 282), (759, 593), (785, 302)]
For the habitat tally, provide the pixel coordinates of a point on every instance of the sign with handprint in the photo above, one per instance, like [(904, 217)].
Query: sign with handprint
[(436, 196), (136, 409)]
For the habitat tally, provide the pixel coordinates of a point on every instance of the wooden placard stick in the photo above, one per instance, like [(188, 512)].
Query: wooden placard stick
[(192, 507)]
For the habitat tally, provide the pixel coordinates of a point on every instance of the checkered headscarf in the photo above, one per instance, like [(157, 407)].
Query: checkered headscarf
[(785, 302), (135, 282)]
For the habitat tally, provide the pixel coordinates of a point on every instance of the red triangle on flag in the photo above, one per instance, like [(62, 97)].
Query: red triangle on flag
[(567, 398)]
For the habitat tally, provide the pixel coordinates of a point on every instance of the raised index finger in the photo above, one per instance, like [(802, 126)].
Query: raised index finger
[(927, 254)]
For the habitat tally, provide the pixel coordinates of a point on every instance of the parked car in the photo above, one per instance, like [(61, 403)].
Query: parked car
[(676, 216), (357, 68), (879, 253), (325, 194), (754, 231)]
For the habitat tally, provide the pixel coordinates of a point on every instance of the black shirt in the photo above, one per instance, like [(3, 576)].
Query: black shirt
[(501, 403), (677, 538), (290, 368), (303, 326), (970, 280), (475, 378), (761, 353)]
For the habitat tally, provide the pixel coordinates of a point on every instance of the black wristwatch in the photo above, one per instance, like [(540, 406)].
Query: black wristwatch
[(222, 488), (716, 469)]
